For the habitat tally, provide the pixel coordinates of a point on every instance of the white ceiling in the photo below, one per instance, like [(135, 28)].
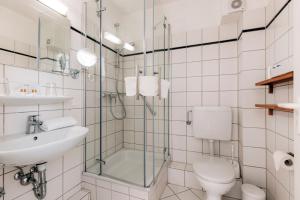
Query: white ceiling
[(128, 6)]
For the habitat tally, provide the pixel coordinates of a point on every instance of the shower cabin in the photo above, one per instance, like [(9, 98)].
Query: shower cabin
[(128, 139)]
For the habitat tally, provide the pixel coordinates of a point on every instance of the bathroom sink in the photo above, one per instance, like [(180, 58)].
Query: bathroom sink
[(23, 149)]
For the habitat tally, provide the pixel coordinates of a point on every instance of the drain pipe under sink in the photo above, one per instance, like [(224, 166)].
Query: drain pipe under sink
[(39, 184)]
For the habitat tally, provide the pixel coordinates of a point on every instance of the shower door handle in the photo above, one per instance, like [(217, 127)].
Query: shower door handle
[(159, 82), (137, 69)]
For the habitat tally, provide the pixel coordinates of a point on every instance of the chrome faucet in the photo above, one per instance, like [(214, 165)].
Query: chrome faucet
[(33, 124)]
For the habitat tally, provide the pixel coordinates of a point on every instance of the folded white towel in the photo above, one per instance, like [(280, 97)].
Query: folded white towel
[(130, 86), (165, 86), (57, 123), (148, 86)]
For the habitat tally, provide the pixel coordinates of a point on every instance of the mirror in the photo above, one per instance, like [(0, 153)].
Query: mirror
[(35, 37), (54, 45)]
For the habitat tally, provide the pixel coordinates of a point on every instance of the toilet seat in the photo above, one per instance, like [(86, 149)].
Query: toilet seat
[(214, 170)]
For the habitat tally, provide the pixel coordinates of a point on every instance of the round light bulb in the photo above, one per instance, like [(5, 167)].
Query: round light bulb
[(86, 58)]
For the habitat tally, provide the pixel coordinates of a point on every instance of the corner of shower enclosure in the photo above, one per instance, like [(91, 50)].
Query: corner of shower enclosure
[(128, 138)]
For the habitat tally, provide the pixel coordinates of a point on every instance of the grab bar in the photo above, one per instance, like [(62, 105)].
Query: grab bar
[(149, 107), (138, 72)]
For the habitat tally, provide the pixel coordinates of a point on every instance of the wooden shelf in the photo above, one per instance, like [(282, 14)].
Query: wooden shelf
[(276, 80), (272, 107)]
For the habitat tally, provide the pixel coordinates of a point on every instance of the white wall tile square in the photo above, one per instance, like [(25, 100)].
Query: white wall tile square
[(254, 137), (229, 98), (228, 82), (194, 37), (252, 60), (210, 34), (211, 67), (179, 99), (179, 84), (228, 66), (194, 84), (194, 69), (210, 83), (254, 157), (210, 99), (179, 56), (210, 52), (253, 41), (194, 98), (228, 50), (179, 70), (194, 54)]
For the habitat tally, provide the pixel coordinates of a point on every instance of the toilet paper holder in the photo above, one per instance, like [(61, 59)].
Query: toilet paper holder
[(188, 120), (289, 162)]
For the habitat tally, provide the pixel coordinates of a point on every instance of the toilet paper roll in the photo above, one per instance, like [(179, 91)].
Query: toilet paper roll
[(283, 160)]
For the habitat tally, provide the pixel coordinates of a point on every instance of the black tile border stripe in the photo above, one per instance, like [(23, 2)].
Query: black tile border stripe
[(250, 30), (279, 12), (222, 41), (183, 47), (173, 48), (93, 39), (15, 52)]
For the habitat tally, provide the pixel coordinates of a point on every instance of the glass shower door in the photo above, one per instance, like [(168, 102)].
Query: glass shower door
[(157, 122)]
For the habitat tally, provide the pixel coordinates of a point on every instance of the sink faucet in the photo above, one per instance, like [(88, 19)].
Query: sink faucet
[(33, 124)]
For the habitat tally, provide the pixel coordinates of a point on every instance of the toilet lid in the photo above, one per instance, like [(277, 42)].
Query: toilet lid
[(253, 191), (214, 170)]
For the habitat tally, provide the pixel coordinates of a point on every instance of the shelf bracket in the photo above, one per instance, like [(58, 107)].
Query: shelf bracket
[(270, 111), (271, 88)]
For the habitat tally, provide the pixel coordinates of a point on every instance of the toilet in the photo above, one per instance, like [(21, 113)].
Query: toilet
[(252, 192), (215, 175)]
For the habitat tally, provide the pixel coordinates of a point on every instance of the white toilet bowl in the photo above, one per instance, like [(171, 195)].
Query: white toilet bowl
[(216, 176)]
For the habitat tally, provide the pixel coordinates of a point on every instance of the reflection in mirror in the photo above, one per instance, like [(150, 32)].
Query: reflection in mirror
[(54, 43), (18, 41), (54, 46)]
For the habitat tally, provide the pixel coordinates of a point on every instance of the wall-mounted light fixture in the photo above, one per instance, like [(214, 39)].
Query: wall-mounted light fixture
[(112, 38), (128, 46), (85, 56), (56, 5)]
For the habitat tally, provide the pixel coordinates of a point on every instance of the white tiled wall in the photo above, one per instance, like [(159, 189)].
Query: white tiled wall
[(252, 120), (205, 75), (279, 127), (64, 174), (225, 74)]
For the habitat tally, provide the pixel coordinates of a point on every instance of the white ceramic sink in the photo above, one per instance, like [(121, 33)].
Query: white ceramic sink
[(19, 150)]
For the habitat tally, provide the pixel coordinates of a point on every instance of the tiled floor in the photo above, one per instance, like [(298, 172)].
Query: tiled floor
[(175, 192)]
